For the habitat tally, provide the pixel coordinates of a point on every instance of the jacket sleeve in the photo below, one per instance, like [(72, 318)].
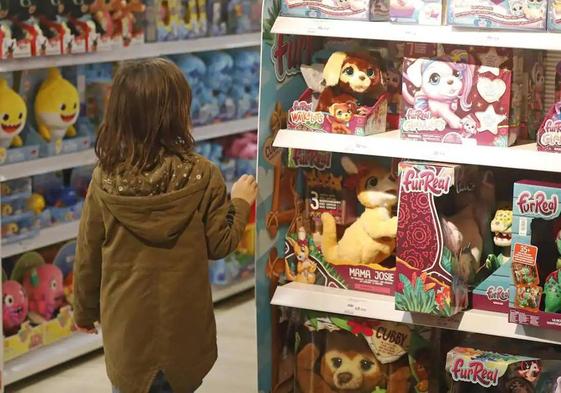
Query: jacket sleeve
[(87, 265), (224, 220)]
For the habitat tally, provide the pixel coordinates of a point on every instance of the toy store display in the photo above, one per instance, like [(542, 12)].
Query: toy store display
[(536, 254), (440, 235), (554, 16), (347, 95), (473, 370), (338, 354), (355, 9), (549, 134), (18, 220), (424, 12), (36, 310)]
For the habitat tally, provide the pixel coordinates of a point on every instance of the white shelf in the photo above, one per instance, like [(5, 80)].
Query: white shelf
[(87, 157), (368, 305), (136, 52), (44, 358), (45, 165), (220, 293), (226, 128), (80, 344), (46, 237), (389, 144), (416, 33)]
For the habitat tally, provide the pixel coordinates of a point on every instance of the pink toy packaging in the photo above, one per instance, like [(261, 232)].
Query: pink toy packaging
[(549, 133), (439, 243), (445, 101), (424, 12), (355, 9), (498, 14)]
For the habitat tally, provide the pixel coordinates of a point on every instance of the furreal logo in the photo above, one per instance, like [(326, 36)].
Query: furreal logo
[(289, 52), (538, 204), (497, 294), (419, 120), (551, 135), (474, 372), (301, 114), (319, 160), (425, 181)]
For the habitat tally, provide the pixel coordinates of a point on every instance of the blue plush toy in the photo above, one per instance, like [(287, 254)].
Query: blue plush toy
[(239, 12), (220, 66), (194, 70)]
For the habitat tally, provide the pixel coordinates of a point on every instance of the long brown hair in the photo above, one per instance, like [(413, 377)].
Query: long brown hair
[(147, 115)]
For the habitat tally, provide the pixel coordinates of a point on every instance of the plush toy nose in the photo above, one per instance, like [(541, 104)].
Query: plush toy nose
[(345, 378), (450, 81), (362, 77)]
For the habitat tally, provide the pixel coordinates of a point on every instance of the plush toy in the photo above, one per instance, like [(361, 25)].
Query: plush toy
[(52, 26), (305, 267), (57, 107), (14, 116), (348, 365), (243, 146), (36, 203), (80, 21), (220, 67), (44, 285), (6, 29), (124, 14), (501, 226), (22, 13), (102, 17), (14, 306), (350, 77), (371, 238)]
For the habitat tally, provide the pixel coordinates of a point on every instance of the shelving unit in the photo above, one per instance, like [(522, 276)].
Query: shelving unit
[(87, 157), (46, 237), (416, 33), (389, 144), (369, 305), (136, 52)]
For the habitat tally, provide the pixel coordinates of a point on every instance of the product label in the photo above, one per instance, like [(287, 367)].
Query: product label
[(497, 293), (538, 204), (474, 371), (426, 181), (390, 341), (418, 120), (551, 135)]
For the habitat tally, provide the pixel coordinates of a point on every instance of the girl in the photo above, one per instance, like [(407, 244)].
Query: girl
[(154, 214)]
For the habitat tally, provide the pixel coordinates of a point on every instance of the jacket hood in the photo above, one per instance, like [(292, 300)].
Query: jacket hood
[(158, 218)]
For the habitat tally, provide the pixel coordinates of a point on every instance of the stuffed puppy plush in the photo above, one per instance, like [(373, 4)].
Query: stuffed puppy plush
[(348, 365), (350, 77)]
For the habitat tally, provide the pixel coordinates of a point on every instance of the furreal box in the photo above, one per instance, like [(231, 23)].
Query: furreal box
[(549, 134), (456, 102), (554, 16), (536, 249), (435, 220), (424, 12), (473, 370), (354, 9), (513, 15)]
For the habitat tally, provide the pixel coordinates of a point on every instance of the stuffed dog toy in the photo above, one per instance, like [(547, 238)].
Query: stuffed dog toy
[(341, 113), (350, 77), (442, 88), (371, 238)]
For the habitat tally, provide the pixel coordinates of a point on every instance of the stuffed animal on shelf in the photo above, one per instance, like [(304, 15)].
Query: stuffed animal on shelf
[(501, 226), (44, 285), (350, 77), (14, 116), (6, 29), (102, 17), (80, 20), (57, 107), (371, 238), (22, 13), (305, 267), (14, 306)]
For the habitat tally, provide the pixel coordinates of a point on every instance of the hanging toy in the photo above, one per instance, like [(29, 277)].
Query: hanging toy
[(56, 107), (14, 306), (13, 115)]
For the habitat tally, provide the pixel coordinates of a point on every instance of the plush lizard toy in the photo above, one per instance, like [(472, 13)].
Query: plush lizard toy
[(501, 226), (57, 107)]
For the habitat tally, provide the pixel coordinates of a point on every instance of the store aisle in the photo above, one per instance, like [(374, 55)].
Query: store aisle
[(235, 371)]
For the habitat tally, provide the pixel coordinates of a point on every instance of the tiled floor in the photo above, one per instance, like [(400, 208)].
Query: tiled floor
[(235, 371)]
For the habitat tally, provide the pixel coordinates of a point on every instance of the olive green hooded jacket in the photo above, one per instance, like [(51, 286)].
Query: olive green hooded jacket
[(141, 269)]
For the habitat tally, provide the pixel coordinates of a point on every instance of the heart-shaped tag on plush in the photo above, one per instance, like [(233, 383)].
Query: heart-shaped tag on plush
[(491, 90)]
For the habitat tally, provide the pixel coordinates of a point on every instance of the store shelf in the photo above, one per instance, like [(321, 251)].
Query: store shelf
[(220, 293), (44, 358), (135, 52), (87, 157), (46, 237), (363, 304), (389, 144), (416, 33), (49, 164), (226, 128)]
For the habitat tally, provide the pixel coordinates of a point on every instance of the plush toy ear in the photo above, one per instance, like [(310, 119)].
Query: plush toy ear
[(349, 166), (34, 278), (333, 67), (414, 72)]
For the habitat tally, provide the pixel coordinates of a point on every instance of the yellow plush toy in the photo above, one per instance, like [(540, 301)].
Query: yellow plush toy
[(13, 115), (371, 238), (56, 107)]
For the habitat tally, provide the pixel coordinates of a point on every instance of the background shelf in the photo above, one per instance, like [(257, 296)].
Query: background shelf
[(135, 52), (389, 144), (416, 33), (87, 157), (46, 237), (363, 304)]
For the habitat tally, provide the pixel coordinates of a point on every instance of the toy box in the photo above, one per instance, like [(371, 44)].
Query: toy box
[(28, 338), (217, 11), (512, 15), (554, 16), (473, 370), (60, 327), (336, 353), (358, 253), (549, 133), (451, 102), (167, 22), (354, 9), (536, 249), (425, 12), (439, 243)]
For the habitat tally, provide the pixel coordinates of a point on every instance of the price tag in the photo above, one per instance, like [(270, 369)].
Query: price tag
[(356, 307), (438, 154), (359, 148)]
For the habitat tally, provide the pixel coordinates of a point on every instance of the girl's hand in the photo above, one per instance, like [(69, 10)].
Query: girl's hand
[(245, 188)]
